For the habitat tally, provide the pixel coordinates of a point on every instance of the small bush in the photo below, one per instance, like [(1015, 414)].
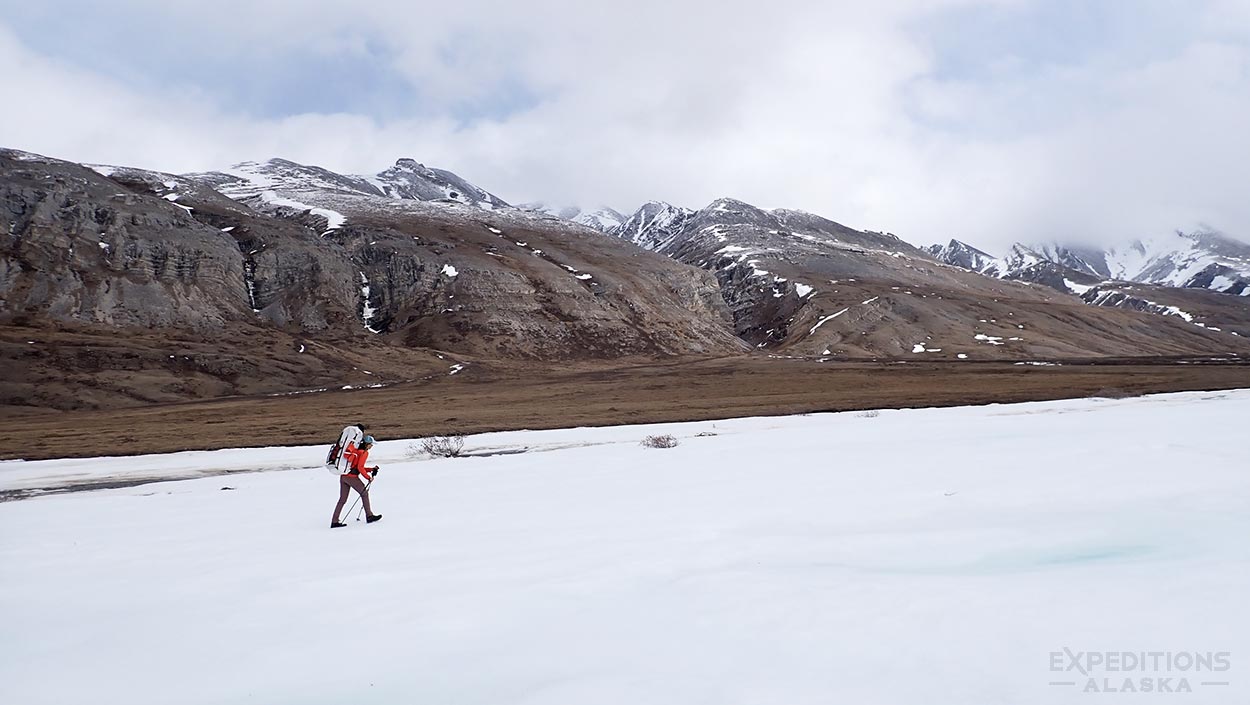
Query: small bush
[(704, 434), (869, 414), (443, 446), (665, 441), (1113, 393)]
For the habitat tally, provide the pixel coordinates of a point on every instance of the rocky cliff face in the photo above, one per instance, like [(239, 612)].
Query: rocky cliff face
[(290, 277), (315, 253), (495, 281), (75, 246)]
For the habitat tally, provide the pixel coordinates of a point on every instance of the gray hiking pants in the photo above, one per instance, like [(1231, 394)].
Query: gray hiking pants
[(347, 483)]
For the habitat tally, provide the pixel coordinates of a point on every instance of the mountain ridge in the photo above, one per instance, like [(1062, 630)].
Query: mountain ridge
[(356, 280), (802, 284), (1203, 259)]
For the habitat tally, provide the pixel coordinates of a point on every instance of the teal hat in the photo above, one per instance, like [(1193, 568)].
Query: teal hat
[(367, 439)]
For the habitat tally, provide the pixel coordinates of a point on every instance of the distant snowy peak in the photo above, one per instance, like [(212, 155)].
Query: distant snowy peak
[(603, 218), (732, 212), (654, 225), (961, 254), (733, 206), (1078, 259), (666, 228), (543, 208), (1194, 260), (248, 179), (411, 180), (407, 180)]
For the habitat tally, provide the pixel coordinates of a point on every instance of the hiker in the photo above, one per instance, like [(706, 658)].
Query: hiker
[(350, 480)]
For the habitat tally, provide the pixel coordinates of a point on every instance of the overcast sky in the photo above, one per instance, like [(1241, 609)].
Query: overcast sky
[(987, 120)]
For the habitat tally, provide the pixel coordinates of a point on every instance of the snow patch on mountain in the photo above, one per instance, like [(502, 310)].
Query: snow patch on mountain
[(367, 310), (334, 219), (825, 320), (1112, 297), (1075, 288)]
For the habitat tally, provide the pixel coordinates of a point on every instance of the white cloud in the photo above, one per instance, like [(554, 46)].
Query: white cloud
[(836, 108)]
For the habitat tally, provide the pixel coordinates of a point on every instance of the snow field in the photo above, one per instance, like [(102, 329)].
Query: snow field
[(935, 556)]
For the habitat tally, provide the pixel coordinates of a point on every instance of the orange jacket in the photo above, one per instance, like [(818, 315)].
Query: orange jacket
[(356, 458)]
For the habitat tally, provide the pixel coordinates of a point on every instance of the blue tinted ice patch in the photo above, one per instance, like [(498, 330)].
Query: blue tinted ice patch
[(1109, 553), (965, 562), (1077, 556)]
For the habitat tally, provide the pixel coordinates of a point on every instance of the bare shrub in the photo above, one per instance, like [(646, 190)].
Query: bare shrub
[(871, 414), (443, 446), (704, 434), (664, 441), (1113, 393)]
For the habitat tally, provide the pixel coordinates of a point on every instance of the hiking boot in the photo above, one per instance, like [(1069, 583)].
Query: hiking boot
[(375, 517), (337, 525)]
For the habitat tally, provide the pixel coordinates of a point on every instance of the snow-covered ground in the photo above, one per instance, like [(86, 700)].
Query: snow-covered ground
[(915, 556)]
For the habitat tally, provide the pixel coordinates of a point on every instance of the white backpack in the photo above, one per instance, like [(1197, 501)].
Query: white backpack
[(336, 460)]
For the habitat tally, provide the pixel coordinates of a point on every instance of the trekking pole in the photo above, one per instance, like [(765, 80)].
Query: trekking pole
[(358, 496)]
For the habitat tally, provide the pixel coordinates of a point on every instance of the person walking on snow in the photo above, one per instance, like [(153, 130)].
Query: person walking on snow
[(350, 480)]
